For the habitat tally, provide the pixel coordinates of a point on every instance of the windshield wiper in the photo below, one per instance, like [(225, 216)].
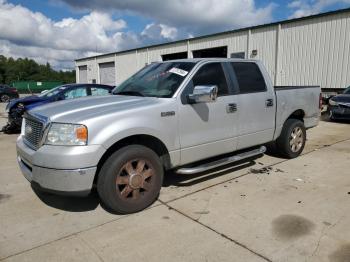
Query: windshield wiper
[(129, 93)]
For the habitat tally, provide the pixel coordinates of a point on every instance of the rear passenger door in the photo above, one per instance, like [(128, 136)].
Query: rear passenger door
[(208, 129), (256, 105)]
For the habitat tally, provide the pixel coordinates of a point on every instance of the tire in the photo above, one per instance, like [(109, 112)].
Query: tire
[(130, 180), (331, 117), (4, 98), (292, 140)]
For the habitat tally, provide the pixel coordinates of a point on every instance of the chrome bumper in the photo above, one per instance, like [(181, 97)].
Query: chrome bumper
[(66, 178)]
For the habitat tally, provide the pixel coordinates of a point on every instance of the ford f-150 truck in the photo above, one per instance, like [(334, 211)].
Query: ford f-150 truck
[(186, 115)]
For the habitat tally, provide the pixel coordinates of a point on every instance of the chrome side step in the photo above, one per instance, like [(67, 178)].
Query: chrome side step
[(221, 162)]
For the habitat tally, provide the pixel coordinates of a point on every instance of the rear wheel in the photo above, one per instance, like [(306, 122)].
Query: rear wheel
[(4, 98), (130, 180), (331, 117), (292, 140)]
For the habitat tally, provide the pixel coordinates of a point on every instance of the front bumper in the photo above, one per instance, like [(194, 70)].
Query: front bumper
[(339, 112), (61, 170)]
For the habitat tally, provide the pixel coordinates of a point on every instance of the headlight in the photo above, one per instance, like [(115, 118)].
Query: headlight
[(333, 103), (67, 135), (23, 127)]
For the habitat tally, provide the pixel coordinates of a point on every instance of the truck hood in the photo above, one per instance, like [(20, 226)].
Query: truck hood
[(342, 98), (24, 100), (79, 110)]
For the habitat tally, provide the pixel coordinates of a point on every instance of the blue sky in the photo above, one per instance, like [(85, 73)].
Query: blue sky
[(59, 31)]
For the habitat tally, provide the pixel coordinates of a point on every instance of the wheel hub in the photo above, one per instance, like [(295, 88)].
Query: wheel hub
[(296, 139), (135, 181)]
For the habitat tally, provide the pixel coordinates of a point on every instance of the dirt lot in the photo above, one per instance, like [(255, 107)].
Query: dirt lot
[(268, 210)]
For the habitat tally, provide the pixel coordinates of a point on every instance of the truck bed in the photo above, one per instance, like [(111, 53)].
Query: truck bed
[(306, 99)]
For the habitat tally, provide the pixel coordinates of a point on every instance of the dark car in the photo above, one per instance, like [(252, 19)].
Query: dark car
[(7, 93), (339, 106), (17, 107)]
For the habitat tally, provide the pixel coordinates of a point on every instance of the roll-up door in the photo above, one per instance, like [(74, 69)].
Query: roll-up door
[(107, 73), (82, 74)]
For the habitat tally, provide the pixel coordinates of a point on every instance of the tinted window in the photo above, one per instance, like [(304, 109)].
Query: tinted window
[(99, 91), (211, 74), (249, 77), (75, 93)]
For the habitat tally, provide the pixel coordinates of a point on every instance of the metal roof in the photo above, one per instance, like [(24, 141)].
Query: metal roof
[(340, 11)]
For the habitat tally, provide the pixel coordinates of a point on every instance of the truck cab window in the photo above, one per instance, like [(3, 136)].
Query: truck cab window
[(249, 77), (211, 74), (99, 91), (75, 93)]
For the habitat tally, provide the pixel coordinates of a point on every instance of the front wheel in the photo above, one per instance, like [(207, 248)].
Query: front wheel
[(4, 98), (130, 180), (292, 140)]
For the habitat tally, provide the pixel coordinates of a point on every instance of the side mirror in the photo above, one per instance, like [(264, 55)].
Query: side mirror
[(203, 94)]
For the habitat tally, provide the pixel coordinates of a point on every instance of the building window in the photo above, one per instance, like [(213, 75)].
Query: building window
[(240, 55), (174, 56), (211, 52)]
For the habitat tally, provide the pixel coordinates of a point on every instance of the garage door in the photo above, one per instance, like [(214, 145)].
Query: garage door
[(82, 74), (107, 73)]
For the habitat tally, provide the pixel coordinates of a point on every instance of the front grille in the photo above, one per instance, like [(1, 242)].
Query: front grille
[(33, 132)]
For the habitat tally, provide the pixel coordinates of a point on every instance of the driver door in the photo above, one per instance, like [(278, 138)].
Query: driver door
[(208, 129)]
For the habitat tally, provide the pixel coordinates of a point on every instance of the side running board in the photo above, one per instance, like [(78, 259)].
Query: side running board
[(221, 162)]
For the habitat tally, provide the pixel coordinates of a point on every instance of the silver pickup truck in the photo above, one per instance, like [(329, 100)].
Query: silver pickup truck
[(169, 115)]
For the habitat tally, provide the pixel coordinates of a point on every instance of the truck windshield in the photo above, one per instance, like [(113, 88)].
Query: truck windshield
[(52, 92), (156, 80)]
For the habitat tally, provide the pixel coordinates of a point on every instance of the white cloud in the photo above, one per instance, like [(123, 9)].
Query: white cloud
[(157, 31), (310, 7), (22, 26), (24, 33), (192, 16)]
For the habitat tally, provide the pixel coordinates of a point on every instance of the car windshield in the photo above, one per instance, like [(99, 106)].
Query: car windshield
[(156, 80), (347, 91), (53, 91)]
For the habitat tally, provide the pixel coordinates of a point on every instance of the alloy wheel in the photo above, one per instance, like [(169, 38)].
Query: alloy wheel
[(5, 98), (134, 180), (296, 139)]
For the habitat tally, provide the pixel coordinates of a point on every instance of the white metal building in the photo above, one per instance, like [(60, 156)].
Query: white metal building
[(313, 50)]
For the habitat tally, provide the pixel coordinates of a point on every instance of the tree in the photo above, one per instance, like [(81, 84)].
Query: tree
[(24, 69)]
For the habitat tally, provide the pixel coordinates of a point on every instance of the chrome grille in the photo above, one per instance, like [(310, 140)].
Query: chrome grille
[(33, 132)]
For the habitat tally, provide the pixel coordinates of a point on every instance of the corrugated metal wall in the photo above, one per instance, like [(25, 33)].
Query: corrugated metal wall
[(264, 41), (316, 52), (305, 52)]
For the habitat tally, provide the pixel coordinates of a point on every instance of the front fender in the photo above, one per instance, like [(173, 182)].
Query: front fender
[(111, 129)]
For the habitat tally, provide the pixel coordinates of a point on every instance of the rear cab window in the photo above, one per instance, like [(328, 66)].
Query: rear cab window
[(249, 77)]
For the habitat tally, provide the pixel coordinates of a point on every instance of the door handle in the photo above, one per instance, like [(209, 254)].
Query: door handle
[(231, 108), (269, 102)]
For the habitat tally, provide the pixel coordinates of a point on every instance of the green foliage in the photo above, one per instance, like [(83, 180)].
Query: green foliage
[(28, 70)]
